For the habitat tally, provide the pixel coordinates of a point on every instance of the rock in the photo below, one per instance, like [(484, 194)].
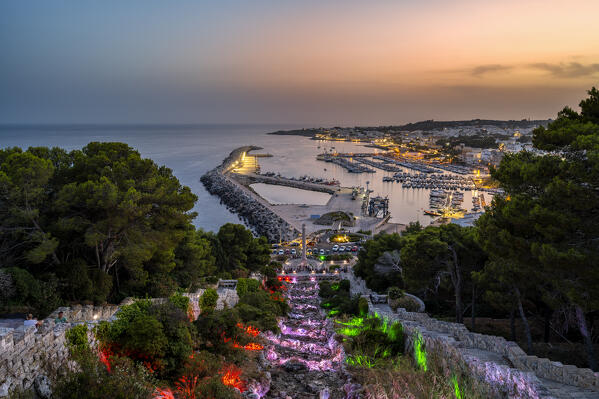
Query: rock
[(293, 366), (42, 387)]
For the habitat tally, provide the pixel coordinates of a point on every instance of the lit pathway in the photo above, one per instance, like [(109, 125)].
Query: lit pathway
[(305, 358)]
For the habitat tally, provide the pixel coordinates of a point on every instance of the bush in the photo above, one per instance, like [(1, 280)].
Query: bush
[(77, 338), (395, 293), (208, 300), (180, 301), (337, 297), (363, 306), (160, 336), (245, 285), (92, 380), (408, 304)]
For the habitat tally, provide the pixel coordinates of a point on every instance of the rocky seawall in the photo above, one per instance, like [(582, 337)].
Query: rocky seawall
[(256, 215)]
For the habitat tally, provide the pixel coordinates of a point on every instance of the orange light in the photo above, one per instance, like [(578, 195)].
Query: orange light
[(231, 377)]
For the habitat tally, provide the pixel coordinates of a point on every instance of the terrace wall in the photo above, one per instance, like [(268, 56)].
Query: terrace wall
[(23, 350)]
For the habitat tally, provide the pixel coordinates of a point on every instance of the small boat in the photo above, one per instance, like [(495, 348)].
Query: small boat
[(432, 213)]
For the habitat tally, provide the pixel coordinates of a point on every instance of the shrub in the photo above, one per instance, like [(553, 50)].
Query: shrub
[(363, 306), (344, 285), (395, 293), (77, 338), (180, 301), (245, 285), (160, 336), (408, 304), (91, 380), (208, 300)]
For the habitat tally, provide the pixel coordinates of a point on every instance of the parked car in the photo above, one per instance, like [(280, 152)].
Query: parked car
[(281, 252), (335, 247), (287, 251), (293, 251), (342, 248), (322, 251), (354, 249)]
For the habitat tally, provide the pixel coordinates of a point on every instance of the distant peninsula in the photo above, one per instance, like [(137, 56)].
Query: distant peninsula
[(427, 125)]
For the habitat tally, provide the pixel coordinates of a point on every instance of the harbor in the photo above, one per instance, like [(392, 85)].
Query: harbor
[(283, 196)]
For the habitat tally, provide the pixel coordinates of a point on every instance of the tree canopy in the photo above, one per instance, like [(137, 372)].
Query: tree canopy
[(102, 223), (545, 230)]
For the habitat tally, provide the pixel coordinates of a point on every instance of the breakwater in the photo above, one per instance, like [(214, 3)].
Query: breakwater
[(237, 198), (282, 181)]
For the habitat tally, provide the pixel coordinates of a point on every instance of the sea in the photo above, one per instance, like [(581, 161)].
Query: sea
[(191, 150)]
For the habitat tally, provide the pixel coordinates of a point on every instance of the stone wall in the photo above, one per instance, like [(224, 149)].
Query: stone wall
[(458, 336), (24, 349)]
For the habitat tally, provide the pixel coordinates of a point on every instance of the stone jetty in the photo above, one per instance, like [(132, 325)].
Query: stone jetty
[(256, 214)]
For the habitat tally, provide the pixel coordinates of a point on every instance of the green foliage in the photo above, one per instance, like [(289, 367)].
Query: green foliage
[(245, 285), (77, 338), (420, 352), (541, 236), (368, 257), (445, 254), (180, 301), (412, 227), (371, 341), (194, 258), (264, 301), (80, 220), (126, 379), (33, 293), (337, 298), (158, 334), (395, 293), (239, 250), (363, 306), (208, 300)]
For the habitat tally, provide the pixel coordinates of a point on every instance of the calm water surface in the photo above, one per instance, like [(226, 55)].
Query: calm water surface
[(192, 150)]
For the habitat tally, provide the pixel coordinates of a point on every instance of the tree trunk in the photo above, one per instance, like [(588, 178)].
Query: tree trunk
[(586, 334), (547, 332), (472, 309), (513, 324), (524, 321), (456, 278)]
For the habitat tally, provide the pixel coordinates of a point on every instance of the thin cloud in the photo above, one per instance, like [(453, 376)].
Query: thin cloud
[(490, 68), (569, 70)]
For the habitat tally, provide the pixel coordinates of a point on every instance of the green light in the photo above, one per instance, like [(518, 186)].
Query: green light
[(360, 360), (354, 321), (456, 387), (349, 332), (395, 331), (333, 312), (322, 257), (419, 352), (326, 305), (335, 287)]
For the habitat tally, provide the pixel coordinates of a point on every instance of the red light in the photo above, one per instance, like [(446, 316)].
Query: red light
[(104, 356), (163, 394), (231, 377), (187, 387)]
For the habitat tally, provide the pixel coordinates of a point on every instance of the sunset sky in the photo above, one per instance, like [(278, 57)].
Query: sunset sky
[(311, 62)]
